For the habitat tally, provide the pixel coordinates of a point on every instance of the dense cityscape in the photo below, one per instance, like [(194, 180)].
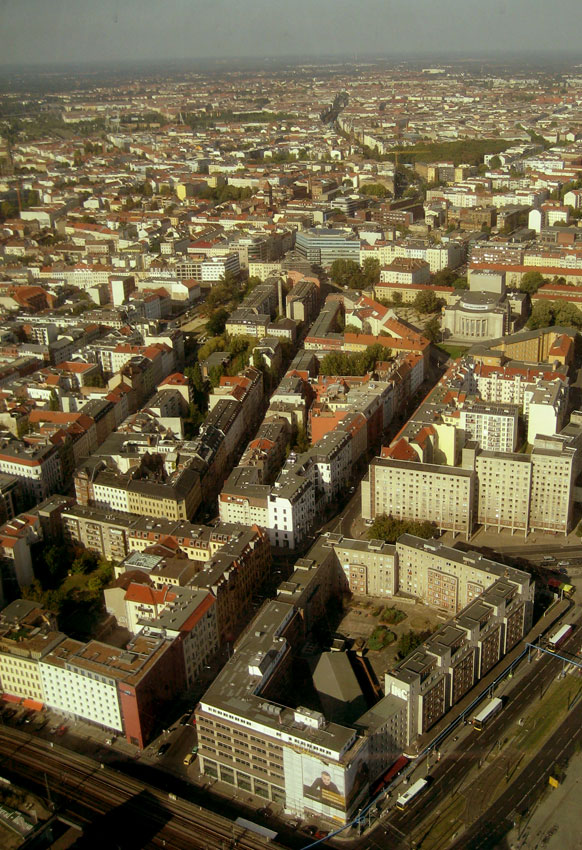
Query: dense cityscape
[(291, 455)]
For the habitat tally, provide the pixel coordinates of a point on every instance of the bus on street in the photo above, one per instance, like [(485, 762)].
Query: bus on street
[(411, 794), (559, 637), (490, 710)]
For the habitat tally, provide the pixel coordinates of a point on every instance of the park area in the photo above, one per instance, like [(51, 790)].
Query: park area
[(387, 630)]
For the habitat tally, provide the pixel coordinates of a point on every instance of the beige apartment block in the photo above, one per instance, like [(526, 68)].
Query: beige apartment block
[(504, 490), (371, 568), (27, 634), (554, 468), (447, 578), (409, 490)]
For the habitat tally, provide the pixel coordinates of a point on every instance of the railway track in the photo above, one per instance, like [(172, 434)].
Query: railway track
[(110, 802)]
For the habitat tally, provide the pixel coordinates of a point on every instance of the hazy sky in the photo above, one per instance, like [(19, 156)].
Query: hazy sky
[(34, 31)]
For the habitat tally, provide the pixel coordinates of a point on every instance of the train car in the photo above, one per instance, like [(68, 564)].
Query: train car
[(390, 774)]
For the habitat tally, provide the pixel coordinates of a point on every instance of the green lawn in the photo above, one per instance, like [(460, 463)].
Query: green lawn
[(380, 638), (441, 830), (549, 711), (454, 351), (392, 616)]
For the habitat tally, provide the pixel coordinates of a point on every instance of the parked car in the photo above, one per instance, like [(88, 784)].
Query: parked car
[(321, 833), (188, 759), (184, 719), (163, 750), (194, 749), (61, 730)]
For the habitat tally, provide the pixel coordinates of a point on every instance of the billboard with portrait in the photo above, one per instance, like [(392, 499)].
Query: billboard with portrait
[(323, 783)]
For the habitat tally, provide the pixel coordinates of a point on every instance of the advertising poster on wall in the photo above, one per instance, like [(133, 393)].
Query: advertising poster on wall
[(323, 783)]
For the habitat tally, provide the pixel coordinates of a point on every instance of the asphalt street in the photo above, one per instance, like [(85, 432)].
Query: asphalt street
[(449, 775)]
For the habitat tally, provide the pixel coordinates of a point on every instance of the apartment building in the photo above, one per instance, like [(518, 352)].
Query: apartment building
[(37, 466), (27, 634), (494, 427), (216, 268), (410, 490), (370, 567), (405, 270), (507, 383), (176, 498), (291, 509), (101, 530), (244, 498), (555, 465), (187, 616), (439, 673), (544, 407), (447, 578), (302, 302), (249, 738), (504, 490), (438, 257), (121, 689)]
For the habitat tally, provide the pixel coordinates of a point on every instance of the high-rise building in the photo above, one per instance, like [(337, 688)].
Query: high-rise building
[(408, 490)]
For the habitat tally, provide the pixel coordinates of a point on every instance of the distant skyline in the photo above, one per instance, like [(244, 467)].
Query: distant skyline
[(110, 31)]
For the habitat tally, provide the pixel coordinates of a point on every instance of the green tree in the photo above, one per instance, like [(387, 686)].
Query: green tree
[(302, 443), (461, 283), (216, 343), (54, 401), (217, 322), (193, 421), (409, 641), (252, 281), (359, 363), (346, 273), (259, 361), (56, 562), (389, 529), (495, 162), (375, 190), (215, 374), (531, 282), (567, 314), (199, 387), (432, 330), (427, 302), (542, 315), (445, 277), (371, 272), (85, 562)]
